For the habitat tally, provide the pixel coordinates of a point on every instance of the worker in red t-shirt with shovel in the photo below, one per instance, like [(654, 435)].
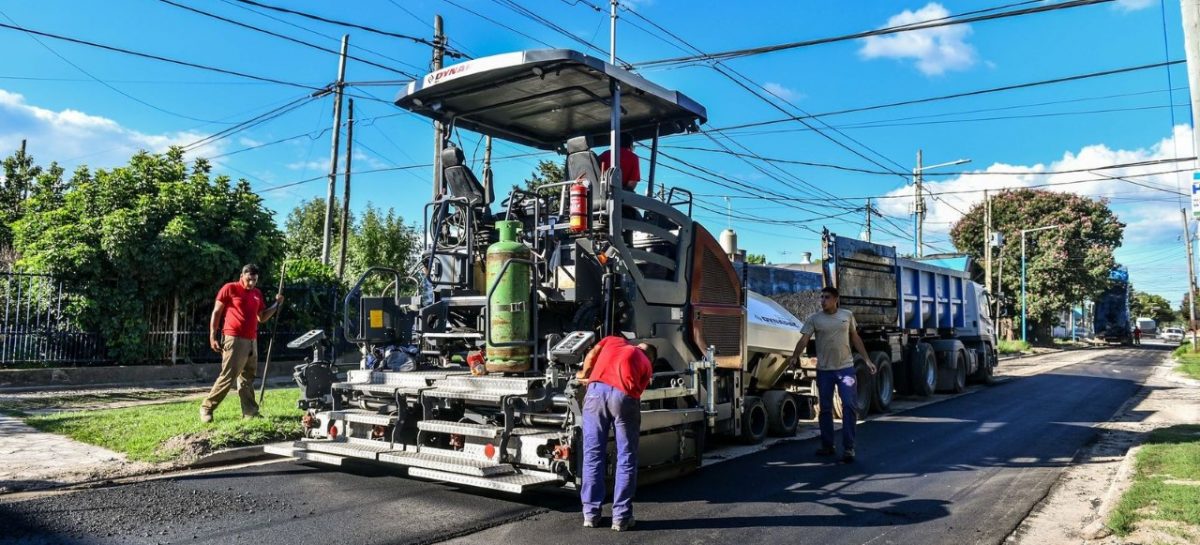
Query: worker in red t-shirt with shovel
[(241, 307)]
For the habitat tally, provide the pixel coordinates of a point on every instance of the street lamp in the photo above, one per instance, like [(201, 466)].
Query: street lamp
[(1024, 326), (919, 204)]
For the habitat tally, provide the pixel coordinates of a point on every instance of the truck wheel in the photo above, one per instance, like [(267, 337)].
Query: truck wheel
[(987, 367), (864, 388), (884, 383), (754, 420), (923, 370), (783, 414), (960, 373)]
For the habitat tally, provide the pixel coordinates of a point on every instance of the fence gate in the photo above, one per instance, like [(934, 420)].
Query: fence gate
[(35, 329)]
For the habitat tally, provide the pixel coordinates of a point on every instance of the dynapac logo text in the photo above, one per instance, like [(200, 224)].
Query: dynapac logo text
[(446, 73)]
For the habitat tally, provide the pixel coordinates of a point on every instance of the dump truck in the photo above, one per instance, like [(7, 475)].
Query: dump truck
[(1110, 317), (927, 328), (472, 380)]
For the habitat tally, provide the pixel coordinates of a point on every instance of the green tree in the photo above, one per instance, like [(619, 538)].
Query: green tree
[(756, 259), (1152, 306), (1063, 266), (382, 240), (547, 172), (304, 225), (127, 237), (25, 185)]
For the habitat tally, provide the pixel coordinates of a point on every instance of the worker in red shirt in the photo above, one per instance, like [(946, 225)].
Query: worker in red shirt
[(631, 173), (241, 307), (616, 374)]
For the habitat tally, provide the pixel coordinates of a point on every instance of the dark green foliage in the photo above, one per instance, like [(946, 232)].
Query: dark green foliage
[(1152, 306), (145, 232), (756, 259), (1064, 266)]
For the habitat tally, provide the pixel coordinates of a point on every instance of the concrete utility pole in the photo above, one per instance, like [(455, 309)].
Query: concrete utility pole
[(488, 191), (987, 242), (614, 143), (327, 234), (341, 268), (1187, 239), (867, 226), (918, 210), (1190, 10), (439, 52)]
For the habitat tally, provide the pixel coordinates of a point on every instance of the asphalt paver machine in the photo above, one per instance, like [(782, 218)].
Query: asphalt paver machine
[(527, 285)]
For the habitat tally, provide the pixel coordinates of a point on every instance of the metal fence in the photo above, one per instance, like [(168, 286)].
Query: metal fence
[(36, 329)]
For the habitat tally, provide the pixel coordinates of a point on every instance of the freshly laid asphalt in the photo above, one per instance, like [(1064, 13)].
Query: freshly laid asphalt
[(966, 470)]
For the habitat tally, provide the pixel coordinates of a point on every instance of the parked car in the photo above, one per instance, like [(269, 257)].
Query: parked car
[(1172, 334)]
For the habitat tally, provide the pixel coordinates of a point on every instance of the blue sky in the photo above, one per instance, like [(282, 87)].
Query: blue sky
[(69, 117)]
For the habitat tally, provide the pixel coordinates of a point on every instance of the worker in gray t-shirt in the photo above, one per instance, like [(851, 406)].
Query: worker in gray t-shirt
[(835, 331)]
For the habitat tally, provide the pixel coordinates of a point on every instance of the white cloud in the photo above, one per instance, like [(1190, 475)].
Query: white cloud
[(781, 91), (308, 165), (935, 50), (1134, 5), (249, 142), (1148, 207), (72, 137)]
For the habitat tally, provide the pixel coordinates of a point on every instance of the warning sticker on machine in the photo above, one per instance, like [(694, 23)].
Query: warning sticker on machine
[(376, 318)]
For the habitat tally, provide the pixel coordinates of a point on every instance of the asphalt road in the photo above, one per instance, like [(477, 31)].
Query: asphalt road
[(966, 470)]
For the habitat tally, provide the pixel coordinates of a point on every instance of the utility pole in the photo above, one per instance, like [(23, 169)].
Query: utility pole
[(987, 242), (439, 52), (918, 210), (867, 226), (341, 268), (1187, 239), (488, 190), (1190, 10), (327, 234)]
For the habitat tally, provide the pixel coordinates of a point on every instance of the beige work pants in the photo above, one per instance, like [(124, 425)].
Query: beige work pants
[(239, 361)]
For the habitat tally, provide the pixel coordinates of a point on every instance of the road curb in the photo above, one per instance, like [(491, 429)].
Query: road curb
[(229, 457)]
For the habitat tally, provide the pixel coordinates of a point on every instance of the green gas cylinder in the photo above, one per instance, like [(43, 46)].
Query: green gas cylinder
[(509, 315)]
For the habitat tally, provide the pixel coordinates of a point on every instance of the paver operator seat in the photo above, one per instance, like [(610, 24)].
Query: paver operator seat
[(460, 181), (582, 162)]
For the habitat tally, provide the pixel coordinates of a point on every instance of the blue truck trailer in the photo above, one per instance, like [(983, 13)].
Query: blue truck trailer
[(927, 328), (1111, 314)]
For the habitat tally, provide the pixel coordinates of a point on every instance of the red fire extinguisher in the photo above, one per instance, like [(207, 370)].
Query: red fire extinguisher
[(579, 206)]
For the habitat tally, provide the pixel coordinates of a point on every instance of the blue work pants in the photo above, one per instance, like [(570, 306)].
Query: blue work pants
[(846, 382), (606, 408)]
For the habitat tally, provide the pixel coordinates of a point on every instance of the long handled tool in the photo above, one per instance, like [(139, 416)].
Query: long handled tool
[(262, 389)]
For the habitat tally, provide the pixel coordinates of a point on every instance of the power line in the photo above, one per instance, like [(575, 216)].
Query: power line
[(495, 22), (156, 57), (285, 37), (336, 39), (424, 22), (109, 85), (373, 30), (725, 55), (252, 122), (977, 92)]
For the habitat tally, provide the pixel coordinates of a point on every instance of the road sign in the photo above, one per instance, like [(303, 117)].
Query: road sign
[(1196, 194)]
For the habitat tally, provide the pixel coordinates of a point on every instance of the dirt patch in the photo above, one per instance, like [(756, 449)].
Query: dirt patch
[(1078, 506), (187, 448)]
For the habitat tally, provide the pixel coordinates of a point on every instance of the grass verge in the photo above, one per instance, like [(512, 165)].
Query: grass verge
[(1166, 481), (1189, 362), (1014, 347), (172, 432)]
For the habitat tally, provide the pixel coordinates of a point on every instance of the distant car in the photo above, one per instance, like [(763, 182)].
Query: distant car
[(1172, 334)]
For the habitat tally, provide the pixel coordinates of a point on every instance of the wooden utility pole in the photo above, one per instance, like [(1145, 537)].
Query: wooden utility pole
[(327, 234), (987, 242), (439, 52), (345, 239)]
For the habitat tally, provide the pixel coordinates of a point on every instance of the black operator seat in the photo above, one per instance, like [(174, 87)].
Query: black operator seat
[(582, 162), (460, 181)]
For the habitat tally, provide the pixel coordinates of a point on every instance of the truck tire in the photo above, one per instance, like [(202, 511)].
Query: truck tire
[(754, 420), (884, 382), (864, 386), (987, 367), (960, 373), (783, 413), (923, 370)]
